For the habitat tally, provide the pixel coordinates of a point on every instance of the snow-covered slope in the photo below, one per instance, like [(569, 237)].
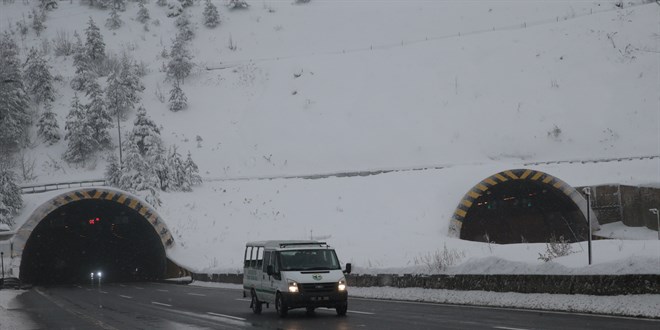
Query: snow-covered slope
[(330, 86)]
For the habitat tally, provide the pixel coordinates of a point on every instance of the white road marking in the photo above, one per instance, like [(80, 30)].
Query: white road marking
[(127, 297), (358, 312), (103, 292), (196, 294), (507, 328), (122, 285), (139, 288), (162, 290), (243, 299), (161, 304), (227, 316), (349, 311)]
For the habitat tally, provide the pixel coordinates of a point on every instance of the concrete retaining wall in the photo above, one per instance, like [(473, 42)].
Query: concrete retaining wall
[(554, 284)]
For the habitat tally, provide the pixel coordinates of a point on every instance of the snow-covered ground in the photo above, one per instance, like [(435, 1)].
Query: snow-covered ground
[(469, 88)]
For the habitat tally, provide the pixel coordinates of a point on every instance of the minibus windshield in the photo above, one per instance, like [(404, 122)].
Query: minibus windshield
[(321, 259)]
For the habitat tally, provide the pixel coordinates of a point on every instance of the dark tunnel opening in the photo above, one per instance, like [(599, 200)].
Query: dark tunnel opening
[(523, 211), (93, 236)]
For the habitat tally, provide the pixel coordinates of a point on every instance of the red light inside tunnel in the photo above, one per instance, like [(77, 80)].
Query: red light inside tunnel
[(93, 221)]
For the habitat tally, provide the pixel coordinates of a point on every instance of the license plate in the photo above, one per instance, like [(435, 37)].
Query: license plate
[(320, 298)]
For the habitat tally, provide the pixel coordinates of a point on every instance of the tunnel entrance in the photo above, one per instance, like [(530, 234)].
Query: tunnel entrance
[(521, 206), (93, 235)]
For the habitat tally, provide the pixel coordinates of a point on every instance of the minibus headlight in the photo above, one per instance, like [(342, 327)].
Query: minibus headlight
[(341, 285), (293, 286)]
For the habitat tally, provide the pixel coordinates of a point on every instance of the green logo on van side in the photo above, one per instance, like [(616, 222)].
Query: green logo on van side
[(317, 277)]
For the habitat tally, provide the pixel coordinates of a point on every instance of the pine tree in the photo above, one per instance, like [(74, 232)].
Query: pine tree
[(113, 171), (11, 200), (37, 78), (82, 63), (192, 172), (38, 18), (146, 135), (98, 118), (176, 171), (234, 4), (211, 16), (161, 3), (118, 5), (186, 31), (178, 100), (186, 3), (143, 13), (14, 104), (180, 64), (113, 22), (94, 46), (124, 86), (48, 129), (81, 143), (137, 174)]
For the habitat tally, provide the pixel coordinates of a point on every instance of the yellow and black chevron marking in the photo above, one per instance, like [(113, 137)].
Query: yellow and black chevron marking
[(108, 194), (517, 174)]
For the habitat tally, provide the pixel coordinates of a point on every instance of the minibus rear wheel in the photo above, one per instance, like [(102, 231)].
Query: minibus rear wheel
[(255, 303)]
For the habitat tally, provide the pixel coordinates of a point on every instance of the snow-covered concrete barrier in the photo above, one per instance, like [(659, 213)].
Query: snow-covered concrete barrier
[(553, 284)]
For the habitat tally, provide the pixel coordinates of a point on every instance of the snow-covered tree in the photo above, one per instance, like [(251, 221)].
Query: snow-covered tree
[(114, 21), (236, 4), (178, 100), (180, 64), (174, 9), (124, 88), (81, 62), (143, 13), (146, 135), (81, 143), (94, 46), (38, 18), (137, 174), (176, 171), (14, 101), (37, 78), (192, 172), (113, 171), (47, 128), (98, 118), (161, 3), (186, 30), (211, 16), (186, 3), (118, 5), (11, 200)]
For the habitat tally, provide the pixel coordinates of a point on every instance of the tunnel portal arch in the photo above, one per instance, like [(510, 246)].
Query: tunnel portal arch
[(521, 206), (127, 212)]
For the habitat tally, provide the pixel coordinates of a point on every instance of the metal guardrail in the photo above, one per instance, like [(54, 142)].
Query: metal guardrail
[(61, 185)]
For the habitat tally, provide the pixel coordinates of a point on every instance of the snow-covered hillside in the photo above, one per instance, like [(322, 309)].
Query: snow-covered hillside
[(475, 87)]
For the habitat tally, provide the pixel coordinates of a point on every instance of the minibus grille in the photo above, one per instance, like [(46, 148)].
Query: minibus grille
[(319, 287)]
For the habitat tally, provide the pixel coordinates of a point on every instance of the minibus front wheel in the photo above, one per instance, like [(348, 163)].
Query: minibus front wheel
[(280, 305)]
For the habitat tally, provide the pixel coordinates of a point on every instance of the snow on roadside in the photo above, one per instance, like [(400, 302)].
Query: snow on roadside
[(11, 319), (628, 305)]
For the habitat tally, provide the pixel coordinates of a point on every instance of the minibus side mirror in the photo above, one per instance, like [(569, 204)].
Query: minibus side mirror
[(269, 270), (348, 268)]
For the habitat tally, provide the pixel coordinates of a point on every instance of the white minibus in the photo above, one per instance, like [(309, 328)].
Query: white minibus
[(294, 274)]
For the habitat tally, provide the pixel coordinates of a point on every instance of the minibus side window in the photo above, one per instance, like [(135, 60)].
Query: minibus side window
[(248, 252), (253, 259), (260, 257), (266, 261)]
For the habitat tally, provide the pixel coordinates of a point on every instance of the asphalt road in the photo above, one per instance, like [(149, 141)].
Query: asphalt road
[(169, 306)]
